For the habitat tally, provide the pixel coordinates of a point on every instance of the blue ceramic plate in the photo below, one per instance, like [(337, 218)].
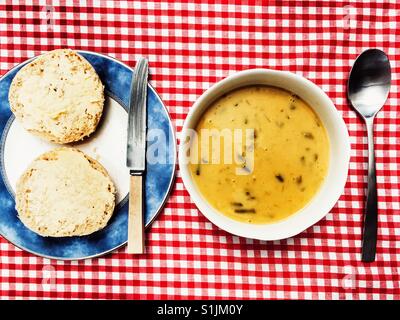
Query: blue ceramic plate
[(18, 148)]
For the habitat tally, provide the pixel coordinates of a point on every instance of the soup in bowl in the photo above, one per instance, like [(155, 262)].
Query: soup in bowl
[(264, 154)]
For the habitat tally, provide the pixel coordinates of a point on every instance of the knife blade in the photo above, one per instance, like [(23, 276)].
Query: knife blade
[(137, 117)]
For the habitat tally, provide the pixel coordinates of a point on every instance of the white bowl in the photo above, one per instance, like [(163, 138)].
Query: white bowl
[(334, 182)]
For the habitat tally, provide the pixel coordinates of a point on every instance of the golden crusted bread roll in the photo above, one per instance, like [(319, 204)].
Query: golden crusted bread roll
[(58, 96), (65, 193)]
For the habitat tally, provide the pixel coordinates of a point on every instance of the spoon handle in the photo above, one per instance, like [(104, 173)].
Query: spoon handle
[(371, 208)]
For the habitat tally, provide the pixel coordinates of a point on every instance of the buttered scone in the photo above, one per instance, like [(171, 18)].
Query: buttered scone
[(58, 96), (65, 193)]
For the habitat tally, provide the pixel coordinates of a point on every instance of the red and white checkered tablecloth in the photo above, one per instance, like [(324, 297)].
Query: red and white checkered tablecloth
[(190, 47)]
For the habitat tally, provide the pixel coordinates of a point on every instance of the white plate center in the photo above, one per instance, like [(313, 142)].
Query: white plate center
[(107, 145)]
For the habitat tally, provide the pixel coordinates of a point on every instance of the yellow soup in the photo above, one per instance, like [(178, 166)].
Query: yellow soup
[(279, 160)]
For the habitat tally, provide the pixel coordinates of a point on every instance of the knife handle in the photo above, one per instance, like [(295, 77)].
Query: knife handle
[(135, 217)]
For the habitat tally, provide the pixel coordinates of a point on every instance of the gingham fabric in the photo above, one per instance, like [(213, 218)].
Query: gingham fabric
[(190, 47)]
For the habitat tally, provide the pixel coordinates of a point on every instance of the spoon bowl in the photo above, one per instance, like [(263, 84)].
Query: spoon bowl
[(369, 82)]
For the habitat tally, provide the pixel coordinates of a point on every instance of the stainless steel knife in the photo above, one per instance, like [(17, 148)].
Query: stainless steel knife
[(136, 155)]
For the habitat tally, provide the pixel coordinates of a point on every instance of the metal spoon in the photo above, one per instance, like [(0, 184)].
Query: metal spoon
[(368, 89)]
